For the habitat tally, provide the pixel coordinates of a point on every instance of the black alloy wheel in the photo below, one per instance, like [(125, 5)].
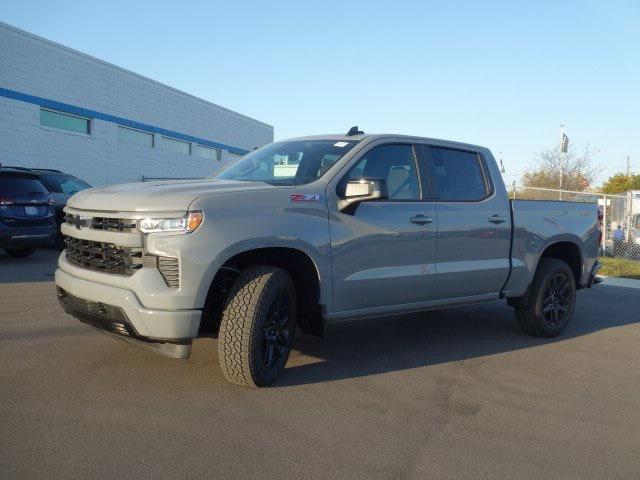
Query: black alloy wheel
[(557, 299), (276, 332)]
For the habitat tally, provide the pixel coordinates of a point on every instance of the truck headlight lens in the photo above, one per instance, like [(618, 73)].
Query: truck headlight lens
[(187, 224)]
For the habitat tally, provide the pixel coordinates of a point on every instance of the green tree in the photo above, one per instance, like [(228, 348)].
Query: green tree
[(620, 183), (577, 171)]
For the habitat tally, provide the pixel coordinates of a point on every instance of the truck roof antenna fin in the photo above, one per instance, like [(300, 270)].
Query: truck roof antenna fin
[(354, 131)]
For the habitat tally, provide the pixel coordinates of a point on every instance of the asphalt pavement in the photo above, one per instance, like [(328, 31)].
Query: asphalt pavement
[(451, 394)]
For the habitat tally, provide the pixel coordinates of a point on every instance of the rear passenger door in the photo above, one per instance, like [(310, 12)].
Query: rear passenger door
[(474, 227)]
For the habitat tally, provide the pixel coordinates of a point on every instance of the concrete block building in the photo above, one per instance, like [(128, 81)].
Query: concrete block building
[(63, 109)]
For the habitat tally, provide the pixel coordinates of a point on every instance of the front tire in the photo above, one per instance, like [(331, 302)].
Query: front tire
[(551, 301), (20, 252), (258, 326)]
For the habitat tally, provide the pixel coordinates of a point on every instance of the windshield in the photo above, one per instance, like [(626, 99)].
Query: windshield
[(64, 183), (288, 163)]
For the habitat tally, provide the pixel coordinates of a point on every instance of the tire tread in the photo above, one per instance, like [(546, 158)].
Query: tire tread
[(237, 330)]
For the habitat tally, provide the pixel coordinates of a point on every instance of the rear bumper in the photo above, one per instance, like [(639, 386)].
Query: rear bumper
[(27, 237), (119, 311)]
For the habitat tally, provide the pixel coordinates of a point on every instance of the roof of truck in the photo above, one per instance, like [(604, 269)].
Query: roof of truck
[(379, 136)]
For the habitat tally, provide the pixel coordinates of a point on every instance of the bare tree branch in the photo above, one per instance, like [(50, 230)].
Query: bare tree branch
[(578, 171)]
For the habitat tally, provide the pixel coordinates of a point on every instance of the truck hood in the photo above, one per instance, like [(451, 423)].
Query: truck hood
[(160, 196)]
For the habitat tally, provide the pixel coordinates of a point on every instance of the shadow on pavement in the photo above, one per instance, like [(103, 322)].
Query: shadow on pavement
[(39, 267), (370, 347)]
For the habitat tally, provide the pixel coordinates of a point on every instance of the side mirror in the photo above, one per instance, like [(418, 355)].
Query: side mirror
[(363, 190)]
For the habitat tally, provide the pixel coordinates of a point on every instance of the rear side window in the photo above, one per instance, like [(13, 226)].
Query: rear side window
[(456, 175), (16, 185)]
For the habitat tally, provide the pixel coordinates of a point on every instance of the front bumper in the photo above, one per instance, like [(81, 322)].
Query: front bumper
[(146, 324)]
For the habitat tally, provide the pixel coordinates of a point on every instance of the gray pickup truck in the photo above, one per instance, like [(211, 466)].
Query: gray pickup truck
[(309, 231)]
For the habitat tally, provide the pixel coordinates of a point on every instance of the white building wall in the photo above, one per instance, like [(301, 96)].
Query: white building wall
[(33, 66)]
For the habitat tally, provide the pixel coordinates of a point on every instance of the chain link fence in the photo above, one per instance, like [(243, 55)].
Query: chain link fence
[(620, 216)]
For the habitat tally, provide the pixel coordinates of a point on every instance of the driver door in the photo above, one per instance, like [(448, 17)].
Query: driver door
[(383, 252)]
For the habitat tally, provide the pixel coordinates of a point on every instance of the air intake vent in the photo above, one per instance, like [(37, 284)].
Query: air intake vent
[(170, 270)]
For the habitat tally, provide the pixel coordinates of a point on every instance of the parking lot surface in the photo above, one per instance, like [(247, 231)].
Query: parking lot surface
[(451, 394)]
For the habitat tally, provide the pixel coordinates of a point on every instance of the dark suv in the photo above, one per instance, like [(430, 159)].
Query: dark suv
[(61, 186), (27, 217)]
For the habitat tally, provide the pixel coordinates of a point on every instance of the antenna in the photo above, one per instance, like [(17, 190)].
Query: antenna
[(354, 131)]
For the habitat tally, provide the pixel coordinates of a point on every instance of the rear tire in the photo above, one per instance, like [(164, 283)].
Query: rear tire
[(20, 252), (258, 326), (551, 301)]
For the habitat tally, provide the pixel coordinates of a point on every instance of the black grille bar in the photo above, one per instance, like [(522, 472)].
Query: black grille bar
[(101, 223)]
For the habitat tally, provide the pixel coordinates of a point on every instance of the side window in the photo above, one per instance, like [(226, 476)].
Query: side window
[(393, 163), (456, 175)]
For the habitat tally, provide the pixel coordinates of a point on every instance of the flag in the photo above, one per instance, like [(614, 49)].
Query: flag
[(564, 143)]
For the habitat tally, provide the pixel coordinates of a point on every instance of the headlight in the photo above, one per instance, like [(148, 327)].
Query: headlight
[(187, 224)]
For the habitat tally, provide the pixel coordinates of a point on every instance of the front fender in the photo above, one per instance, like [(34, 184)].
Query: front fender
[(239, 222), (320, 260)]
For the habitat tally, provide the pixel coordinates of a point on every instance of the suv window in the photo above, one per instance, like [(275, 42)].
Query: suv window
[(393, 163), (456, 175), (19, 185)]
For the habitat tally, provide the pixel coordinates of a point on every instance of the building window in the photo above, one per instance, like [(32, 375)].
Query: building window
[(208, 152), (177, 146), (131, 135), (65, 121)]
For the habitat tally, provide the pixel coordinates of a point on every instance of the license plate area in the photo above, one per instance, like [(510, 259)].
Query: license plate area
[(30, 211)]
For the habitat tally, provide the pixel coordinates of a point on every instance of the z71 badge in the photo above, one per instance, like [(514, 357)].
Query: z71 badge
[(305, 197)]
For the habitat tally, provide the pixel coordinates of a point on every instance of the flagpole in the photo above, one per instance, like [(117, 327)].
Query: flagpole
[(562, 158)]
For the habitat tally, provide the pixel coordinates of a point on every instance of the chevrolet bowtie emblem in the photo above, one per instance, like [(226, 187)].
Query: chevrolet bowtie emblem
[(78, 222)]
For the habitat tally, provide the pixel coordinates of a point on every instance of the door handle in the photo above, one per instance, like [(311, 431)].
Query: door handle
[(421, 219), (497, 219)]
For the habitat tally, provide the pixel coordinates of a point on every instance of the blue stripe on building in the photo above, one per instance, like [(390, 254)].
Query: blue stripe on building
[(84, 112)]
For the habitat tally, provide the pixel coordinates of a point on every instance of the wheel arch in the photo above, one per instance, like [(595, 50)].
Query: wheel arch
[(304, 270), (569, 252), (563, 248)]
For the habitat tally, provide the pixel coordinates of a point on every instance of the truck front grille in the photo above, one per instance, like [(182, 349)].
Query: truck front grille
[(103, 257), (112, 224), (101, 223)]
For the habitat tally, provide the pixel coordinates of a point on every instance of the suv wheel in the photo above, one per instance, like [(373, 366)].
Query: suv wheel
[(258, 326), (551, 300), (20, 252)]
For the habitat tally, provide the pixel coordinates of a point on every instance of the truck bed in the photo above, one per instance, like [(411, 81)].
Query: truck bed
[(537, 224)]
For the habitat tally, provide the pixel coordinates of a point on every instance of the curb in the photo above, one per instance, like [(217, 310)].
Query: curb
[(620, 282)]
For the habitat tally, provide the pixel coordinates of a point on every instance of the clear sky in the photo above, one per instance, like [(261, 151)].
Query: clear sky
[(500, 74)]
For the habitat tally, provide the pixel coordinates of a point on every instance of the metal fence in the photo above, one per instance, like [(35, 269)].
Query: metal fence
[(621, 216)]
